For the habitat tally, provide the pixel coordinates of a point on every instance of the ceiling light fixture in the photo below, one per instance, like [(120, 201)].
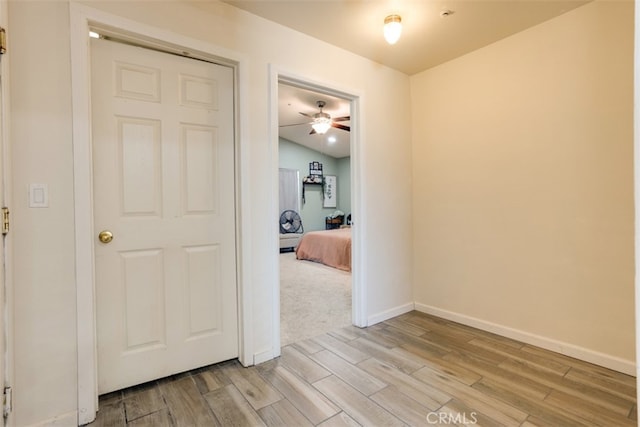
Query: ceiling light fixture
[(321, 123), (392, 28)]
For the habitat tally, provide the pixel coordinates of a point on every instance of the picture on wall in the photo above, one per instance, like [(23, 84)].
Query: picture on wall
[(315, 168), (330, 191)]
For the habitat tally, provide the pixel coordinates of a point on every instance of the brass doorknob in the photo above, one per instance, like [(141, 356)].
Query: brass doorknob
[(105, 236)]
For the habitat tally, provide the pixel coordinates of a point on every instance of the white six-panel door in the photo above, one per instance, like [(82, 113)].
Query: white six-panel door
[(163, 172)]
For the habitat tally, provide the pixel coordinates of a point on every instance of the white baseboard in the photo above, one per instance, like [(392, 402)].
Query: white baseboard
[(262, 357), (69, 419), (612, 362), (388, 314)]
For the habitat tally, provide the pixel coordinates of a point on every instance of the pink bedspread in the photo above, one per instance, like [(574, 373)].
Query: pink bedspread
[(330, 247)]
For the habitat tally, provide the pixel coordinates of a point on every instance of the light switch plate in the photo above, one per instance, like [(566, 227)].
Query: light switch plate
[(38, 196)]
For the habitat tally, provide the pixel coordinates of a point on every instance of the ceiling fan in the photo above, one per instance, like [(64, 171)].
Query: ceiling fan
[(321, 121)]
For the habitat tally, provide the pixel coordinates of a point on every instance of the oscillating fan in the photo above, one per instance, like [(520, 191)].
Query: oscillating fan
[(290, 222)]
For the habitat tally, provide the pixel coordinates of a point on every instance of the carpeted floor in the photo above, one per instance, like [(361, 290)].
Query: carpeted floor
[(314, 298)]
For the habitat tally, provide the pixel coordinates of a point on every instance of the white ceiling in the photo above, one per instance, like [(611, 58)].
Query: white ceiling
[(428, 39)]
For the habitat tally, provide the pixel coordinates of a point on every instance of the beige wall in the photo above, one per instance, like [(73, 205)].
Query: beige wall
[(43, 251), (45, 289), (522, 180), (523, 184)]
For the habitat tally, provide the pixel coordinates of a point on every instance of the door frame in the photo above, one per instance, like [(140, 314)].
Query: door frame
[(636, 179), (358, 294), (82, 19), (6, 252)]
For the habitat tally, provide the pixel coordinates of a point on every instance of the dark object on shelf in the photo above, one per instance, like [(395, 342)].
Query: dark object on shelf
[(315, 168), (312, 179), (332, 223)]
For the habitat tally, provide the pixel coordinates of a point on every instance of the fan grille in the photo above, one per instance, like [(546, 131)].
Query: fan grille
[(290, 222)]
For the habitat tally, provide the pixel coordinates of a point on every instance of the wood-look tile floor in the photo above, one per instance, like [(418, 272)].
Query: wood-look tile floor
[(415, 370)]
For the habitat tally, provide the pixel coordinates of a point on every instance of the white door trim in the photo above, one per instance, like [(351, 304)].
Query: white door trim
[(358, 255), (82, 18), (6, 311), (636, 165)]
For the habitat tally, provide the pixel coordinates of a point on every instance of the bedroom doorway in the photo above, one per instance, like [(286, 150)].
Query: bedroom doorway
[(315, 297)]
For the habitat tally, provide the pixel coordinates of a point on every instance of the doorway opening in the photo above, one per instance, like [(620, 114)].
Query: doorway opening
[(314, 203)]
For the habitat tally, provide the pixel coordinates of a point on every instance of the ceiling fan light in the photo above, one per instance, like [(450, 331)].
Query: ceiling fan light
[(321, 125), (392, 28)]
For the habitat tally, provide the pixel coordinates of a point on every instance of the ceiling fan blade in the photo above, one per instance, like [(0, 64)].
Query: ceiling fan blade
[(306, 115), (343, 127), (294, 124), (313, 131), (342, 119)]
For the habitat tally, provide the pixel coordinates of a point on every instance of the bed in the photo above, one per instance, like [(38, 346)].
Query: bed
[(329, 247)]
